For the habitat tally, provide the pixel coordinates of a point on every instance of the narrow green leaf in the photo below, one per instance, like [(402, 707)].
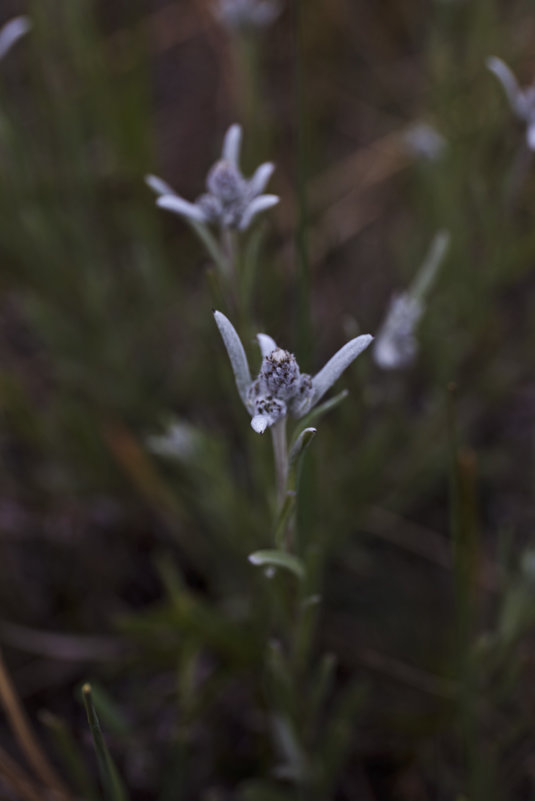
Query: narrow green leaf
[(109, 711), (280, 559), (283, 519), (299, 447), (320, 411), (70, 756), (111, 782)]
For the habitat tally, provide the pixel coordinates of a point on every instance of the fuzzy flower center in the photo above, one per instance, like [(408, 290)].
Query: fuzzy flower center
[(279, 389), (225, 182), (228, 195)]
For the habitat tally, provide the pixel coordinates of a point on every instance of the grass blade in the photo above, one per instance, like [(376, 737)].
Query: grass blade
[(111, 782)]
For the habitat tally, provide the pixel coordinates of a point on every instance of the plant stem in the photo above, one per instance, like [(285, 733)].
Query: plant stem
[(228, 245), (230, 258), (280, 452)]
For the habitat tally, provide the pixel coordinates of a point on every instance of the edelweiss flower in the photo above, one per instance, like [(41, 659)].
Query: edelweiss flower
[(522, 101), (12, 32), (280, 388), (396, 344), (247, 13), (179, 441), (424, 141), (232, 201)]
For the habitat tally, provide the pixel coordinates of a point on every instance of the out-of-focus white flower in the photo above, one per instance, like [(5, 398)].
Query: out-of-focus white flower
[(12, 31), (280, 388), (528, 564), (396, 345), (238, 14), (522, 101), (179, 442), (424, 141), (231, 201)]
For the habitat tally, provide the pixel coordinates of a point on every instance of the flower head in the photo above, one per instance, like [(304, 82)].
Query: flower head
[(239, 14), (396, 344), (231, 200), (12, 31), (281, 389), (424, 141), (180, 441), (522, 101)]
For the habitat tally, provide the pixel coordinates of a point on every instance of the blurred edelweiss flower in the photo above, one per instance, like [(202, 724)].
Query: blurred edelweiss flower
[(280, 388), (424, 141), (522, 101), (179, 441), (12, 31), (396, 344), (247, 13), (232, 201)]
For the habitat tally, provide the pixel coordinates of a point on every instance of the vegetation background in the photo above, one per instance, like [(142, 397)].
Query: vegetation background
[(130, 570)]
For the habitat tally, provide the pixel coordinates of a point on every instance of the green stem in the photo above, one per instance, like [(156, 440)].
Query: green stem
[(210, 244), (228, 246), (112, 784), (229, 249), (280, 452)]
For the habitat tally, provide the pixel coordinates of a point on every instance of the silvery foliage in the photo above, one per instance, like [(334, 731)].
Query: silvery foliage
[(12, 31), (396, 345), (238, 14), (280, 388), (424, 141), (522, 101), (231, 201)]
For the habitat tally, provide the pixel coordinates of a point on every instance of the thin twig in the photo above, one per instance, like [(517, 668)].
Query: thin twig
[(24, 735)]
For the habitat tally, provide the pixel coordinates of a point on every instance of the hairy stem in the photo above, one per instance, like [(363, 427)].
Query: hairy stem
[(280, 452)]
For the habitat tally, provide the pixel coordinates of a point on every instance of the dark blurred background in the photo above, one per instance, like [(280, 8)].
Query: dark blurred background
[(129, 569)]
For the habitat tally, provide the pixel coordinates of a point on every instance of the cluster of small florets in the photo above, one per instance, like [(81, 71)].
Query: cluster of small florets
[(280, 388), (228, 195)]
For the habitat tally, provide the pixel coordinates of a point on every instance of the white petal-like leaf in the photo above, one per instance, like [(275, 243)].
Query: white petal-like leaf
[(281, 559), (236, 354), (507, 80), (260, 178), (334, 368), (232, 145), (183, 207), (267, 344), (260, 422), (12, 32), (158, 186), (258, 204)]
